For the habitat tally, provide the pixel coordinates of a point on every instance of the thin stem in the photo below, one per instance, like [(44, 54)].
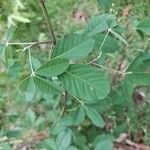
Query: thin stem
[(92, 61), (29, 45), (47, 18), (37, 43), (107, 68), (30, 62), (104, 40)]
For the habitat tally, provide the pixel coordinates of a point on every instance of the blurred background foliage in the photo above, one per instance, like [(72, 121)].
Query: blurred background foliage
[(31, 118)]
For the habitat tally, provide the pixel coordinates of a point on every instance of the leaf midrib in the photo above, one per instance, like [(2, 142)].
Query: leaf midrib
[(82, 80), (69, 51)]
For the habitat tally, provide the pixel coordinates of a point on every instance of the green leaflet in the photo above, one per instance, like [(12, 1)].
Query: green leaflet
[(144, 26), (33, 83), (85, 82), (63, 139), (110, 45), (119, 37), (73, 46), (27, 84), (104, 145), (94, 116), (46, 86), (28, 87), (105, 4), (53, 67), (141, 63), (48, 143), (100, 24), (78, 116)]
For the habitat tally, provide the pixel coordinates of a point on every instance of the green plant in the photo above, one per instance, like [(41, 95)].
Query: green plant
[(76, 78)]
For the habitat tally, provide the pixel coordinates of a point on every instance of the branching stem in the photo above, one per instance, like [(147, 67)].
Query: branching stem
[(105, 38), (29, 44)]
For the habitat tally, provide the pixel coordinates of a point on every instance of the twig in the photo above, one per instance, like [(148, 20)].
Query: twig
[(47, 18)]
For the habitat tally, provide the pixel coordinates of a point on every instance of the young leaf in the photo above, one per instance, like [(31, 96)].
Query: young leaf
[(46, 86), (78, 116), (95, 117), (110, 45), (99, 24), (104, 145), (119, 37), (85, 82), (33, 83), (103, 137), (28, 88), (53, 67), (73, 46), (144, 26), (26, 84), (105, 4)]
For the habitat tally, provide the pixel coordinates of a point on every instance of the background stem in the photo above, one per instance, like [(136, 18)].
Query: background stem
[(47, 18)]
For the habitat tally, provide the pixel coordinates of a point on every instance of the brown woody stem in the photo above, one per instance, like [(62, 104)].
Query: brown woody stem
[(47, 18)]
